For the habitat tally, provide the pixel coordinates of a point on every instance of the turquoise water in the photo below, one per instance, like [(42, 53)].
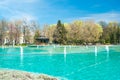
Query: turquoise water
[(66, 63)]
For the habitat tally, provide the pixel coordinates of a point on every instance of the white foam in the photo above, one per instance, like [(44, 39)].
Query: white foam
[(95, 51)]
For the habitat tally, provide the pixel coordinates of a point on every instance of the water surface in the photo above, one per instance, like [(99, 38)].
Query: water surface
[(67, 63)]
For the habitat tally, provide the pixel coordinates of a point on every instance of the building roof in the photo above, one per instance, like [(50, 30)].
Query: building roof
[(42, 37)]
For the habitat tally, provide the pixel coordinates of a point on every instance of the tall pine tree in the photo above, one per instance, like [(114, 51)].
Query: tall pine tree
[(60, 33)]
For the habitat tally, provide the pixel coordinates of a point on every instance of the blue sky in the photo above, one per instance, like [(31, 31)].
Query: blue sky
[(50, 11)]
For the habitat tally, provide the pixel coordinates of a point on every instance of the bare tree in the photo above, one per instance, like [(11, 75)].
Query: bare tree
[(3, 29)]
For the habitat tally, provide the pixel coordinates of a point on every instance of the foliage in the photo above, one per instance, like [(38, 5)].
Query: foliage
[(76, 32), (3, 28), (80, 32), (111, 34), (37, 34), (92, 32), (48, 31), (60, 33), (12, 31)]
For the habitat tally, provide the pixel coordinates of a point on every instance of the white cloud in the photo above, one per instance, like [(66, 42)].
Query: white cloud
[(109, 16), (22, 15), (42, 9), (7, 2), (14, 9)]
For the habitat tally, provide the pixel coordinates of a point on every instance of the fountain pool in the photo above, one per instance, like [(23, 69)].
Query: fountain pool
[(65, 62)]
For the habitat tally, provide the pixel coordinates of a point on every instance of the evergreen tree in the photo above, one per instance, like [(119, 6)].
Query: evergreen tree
[(60, 33)]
